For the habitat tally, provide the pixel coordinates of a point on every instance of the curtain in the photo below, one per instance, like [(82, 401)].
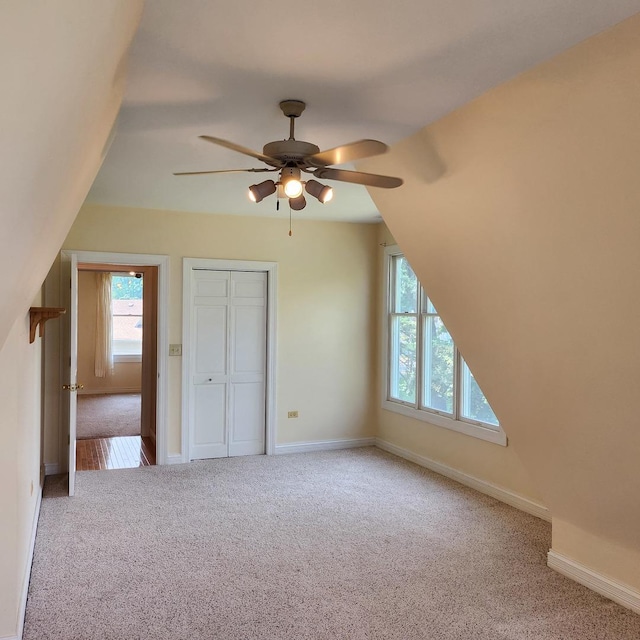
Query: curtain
[(104, 329)]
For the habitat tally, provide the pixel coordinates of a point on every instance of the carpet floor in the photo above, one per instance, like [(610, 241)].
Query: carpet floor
[(354, 544), (108, 415)]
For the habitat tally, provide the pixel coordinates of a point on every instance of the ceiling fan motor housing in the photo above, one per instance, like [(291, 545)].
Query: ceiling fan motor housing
[(291, 152)]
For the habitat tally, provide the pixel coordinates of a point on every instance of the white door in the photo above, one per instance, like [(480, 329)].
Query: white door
[(228, 363), (69, 286)]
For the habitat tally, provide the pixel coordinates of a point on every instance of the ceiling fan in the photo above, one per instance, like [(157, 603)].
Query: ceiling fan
[(291, 157)]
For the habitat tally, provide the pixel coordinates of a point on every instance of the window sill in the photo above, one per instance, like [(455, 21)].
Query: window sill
[(127, 358), (497, 436)]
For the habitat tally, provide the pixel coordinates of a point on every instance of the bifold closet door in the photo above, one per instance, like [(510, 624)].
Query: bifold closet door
[(228, 363)]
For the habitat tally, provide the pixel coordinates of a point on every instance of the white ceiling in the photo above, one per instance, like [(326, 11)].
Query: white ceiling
[(365, 68)]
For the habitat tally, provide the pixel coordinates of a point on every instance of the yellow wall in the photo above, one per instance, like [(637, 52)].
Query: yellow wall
[(126, 377), (20, 383), (520, 214), (326, 306), (487, 461)]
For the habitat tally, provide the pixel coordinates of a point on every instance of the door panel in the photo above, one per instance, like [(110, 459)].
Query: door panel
[(228, 371), (215, 288), (69, 286), (211, 340), (248, 355), (246, 285), (247, 419), (210, 432)]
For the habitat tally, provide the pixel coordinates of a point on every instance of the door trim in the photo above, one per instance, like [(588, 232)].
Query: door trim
[(271, 269), (162, 262)]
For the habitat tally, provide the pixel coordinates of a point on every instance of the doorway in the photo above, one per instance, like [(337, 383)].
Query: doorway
[(157, 380), (229, 329), (117, 346)]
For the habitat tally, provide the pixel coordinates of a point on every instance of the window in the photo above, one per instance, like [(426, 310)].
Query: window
[(427, 378), (126, 307)]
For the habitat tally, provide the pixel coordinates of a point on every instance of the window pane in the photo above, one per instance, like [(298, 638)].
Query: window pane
[(429, 305), (438, 354), (126, 307), (474, 404), (405, 287), (403, 358)]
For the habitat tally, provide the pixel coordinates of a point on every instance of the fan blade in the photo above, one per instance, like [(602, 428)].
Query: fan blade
[(357, 177), (200, 173), (247, 152), (347, 153)]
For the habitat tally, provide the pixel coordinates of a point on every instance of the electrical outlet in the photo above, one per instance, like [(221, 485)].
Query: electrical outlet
[(292, 414), (175, 349)]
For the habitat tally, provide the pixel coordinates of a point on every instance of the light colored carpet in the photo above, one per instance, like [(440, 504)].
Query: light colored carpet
[(350, 545), (108, 415)]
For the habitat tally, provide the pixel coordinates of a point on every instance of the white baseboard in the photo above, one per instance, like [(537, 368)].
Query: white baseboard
[(606, 587), (51, 469), (104, 392), (175, 458), (324, 445), (24, 592), (499, 493)]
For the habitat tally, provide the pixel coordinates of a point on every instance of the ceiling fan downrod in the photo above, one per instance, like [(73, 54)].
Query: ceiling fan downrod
[(292, 109)]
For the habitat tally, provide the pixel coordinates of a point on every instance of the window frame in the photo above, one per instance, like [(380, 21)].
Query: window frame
[(125, 356), (453, 421)]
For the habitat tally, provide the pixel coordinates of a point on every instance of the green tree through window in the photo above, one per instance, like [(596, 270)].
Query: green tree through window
[(426, 370)]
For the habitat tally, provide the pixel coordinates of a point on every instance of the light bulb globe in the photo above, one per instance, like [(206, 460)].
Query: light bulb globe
[(319, 191), (327, 195), (293, 188)]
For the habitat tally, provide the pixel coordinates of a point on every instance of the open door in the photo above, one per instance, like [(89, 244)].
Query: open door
[(69, 287)]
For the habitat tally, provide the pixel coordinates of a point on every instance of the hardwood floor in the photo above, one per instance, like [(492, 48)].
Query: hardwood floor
[(114, 453)]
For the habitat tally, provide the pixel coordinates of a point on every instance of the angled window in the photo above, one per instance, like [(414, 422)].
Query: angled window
[(426, 376)]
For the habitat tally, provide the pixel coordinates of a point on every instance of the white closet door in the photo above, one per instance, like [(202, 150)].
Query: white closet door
[(228, 356), (248, 341)]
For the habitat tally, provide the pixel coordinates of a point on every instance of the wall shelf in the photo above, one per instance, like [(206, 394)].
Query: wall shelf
[(38, 316)]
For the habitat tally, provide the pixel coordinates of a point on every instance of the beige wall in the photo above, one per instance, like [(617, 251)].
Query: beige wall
[(62, 66), (521, 207), (520, 214), (20, 383), (486, 461), (126, 377), (326, 306)]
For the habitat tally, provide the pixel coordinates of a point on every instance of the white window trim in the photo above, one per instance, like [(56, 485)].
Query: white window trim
[(127, 357), (466, 427)]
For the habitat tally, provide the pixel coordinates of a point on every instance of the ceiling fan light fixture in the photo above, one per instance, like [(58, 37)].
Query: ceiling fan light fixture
[(297, 204), (290, 178), (257, 192), (318, 190)]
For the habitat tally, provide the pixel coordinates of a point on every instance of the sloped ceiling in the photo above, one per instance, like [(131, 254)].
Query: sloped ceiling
[(366, 70), (63, 67), (526, 235)]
